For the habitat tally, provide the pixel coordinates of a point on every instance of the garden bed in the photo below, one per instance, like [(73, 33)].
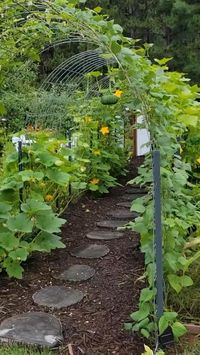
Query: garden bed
[(94, 326)]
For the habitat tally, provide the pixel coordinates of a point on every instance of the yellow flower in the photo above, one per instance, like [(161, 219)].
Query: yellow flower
[(96, 152), (48, 198), (88, 119), (118, 93), (94, 181), (198, 160), (104, 130)]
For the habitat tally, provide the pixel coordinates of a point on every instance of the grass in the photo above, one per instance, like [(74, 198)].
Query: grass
[(18, 350), (187, 302), (194, 350)]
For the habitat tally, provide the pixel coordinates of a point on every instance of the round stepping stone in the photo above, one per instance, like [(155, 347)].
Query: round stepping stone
[(124, 204), (77, 273), (104, 235), (130, 197), (122, 214), (111, 224), (136, 191), (57, 296), (93, 251), (34, 328)]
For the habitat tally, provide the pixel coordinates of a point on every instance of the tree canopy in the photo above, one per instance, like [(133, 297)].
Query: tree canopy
[(172, 25)]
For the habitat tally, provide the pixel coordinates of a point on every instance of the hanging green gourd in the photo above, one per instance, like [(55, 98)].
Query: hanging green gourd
[(109, 99)]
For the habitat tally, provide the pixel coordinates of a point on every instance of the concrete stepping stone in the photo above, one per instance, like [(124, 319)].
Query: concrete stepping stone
[(34, 328), (57, 296), (93, 251), (135, 190), (122, 214), (109, 224), (124, 204), (130, 197), (104, 235), (77, 273)]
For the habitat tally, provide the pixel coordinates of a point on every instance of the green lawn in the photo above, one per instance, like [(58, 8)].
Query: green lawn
[(195, 350), (18, 350)]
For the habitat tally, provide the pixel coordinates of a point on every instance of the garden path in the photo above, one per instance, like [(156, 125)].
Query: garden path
[(90, 288)]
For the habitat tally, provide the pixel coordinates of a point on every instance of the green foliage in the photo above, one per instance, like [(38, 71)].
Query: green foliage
[(19, 350), (170, 109), (169, 24)]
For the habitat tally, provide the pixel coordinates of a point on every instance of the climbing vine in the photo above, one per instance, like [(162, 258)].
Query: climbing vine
[(171, 112)]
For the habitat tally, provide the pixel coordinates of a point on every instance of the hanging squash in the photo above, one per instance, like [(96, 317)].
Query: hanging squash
[(109, 99)]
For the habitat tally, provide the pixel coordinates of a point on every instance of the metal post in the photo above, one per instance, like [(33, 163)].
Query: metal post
[(158, 234), (167, 337), (20, 167), (69, 144)]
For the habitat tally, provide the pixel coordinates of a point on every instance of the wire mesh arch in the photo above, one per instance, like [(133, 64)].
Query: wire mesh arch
[(64, 81)]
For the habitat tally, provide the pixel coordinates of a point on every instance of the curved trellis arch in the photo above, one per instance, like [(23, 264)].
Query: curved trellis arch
[(69, 76)]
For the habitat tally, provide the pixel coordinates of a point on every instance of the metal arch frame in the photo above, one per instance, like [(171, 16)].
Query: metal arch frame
[(77, 61)]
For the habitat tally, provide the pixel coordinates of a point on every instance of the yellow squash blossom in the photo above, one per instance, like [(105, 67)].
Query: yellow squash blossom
[(96, 152), (48, 198), (118, 93), (104, 130), (198, 160), (94, 181)]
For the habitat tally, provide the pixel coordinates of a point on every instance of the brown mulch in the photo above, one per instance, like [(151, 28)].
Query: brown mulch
[(95, 326)]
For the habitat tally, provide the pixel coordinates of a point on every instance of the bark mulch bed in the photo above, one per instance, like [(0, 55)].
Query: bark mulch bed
[(95, 325)]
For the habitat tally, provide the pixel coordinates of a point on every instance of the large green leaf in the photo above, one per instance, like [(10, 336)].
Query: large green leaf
[(115, 47), (48, 222), (178, 329), (138, 205), (186, 281), (146, 295), (8, 241), (59, 177), (163, 324), (178, 282), (32, 206), (19, 254), (20, 223), (180, 178), (45, 242), (4, 210), (174, 282), (28, 175), (142, 313), (46, 158), (78, 185), (12, 184), (13, 268)]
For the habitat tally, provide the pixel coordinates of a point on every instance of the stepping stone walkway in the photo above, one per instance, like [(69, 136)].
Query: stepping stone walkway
[(57, 296), (130, 197), (128, 215), (43, 329), (77, 273), (111, 224), (93, 251), (34, 328), (135, 190), (124, 204), (104, 235)]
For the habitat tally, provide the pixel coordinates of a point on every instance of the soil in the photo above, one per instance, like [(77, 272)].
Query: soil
[(95, 326)]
